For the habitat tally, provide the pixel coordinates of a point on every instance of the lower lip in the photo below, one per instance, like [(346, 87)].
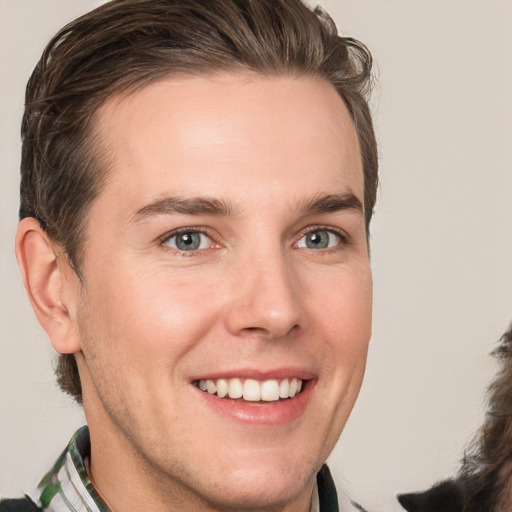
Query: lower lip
[(261, 413)]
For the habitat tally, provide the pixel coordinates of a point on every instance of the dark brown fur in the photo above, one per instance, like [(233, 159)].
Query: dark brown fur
[(484, 480), (487, 465)]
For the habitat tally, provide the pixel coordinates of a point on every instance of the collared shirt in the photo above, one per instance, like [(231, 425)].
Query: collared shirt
[(66, 487)]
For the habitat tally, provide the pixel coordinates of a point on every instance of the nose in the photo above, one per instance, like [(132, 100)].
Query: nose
[(267, 300)]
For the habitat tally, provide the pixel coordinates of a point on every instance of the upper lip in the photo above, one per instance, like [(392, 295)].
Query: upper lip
[(257, 374)]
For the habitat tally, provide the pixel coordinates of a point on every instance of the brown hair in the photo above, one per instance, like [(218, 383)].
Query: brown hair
[(487, 466), (126, 44)]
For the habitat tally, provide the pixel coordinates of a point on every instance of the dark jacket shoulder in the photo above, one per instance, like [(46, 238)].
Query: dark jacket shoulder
[(328, 496), (443, 497), (19, 505), (326, 491)]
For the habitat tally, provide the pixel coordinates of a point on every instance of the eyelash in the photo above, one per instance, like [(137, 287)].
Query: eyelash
[(344, 239), (188, 230)]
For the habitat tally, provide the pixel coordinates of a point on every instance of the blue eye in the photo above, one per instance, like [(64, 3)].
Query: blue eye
[(320, 239), (188, 241)]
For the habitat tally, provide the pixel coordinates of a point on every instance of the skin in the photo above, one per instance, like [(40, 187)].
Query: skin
[(148, 318)]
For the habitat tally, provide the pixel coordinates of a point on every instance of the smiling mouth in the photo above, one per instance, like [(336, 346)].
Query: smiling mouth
[(251, 390)]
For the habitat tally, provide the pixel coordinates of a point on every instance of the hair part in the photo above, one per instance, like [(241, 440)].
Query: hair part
[(123, 46)]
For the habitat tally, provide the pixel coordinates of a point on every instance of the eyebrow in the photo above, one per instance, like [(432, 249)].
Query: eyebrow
[(321, 203), (186, 206), (330, 203)]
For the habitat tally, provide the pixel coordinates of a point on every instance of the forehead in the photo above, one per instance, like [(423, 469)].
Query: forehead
[(198, 133)]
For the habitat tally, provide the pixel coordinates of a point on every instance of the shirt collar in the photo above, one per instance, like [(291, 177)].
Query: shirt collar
[(66, 486), (315, 500)]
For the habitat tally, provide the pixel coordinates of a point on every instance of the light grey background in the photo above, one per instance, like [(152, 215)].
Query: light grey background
[(441, 243)]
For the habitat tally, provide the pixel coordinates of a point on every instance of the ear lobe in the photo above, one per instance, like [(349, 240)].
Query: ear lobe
[(45, 273)]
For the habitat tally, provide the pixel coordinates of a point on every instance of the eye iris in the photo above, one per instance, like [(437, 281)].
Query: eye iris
[(188, 241), (317, 240)]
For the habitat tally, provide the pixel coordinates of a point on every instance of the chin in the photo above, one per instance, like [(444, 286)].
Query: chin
[(262, 493), (266, 484)]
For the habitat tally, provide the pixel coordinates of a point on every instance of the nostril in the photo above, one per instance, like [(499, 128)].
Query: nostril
[(256, 332), (262, 318)]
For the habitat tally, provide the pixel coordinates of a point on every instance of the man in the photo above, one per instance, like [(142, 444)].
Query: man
[(484, 479), (198, 180)]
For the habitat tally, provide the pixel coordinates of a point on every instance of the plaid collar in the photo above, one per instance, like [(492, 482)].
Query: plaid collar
[(66, 486)]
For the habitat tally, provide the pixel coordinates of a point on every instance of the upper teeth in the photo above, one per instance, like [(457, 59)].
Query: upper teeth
[(252, 390)]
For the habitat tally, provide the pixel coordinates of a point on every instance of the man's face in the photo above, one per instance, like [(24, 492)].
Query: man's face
[(227, 250)]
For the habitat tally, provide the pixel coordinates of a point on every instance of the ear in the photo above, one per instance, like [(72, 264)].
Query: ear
[(52, 285)]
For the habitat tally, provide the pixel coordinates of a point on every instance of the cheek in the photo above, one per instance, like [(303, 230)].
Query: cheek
[(151, 316), (345, 311), (345, 317)]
